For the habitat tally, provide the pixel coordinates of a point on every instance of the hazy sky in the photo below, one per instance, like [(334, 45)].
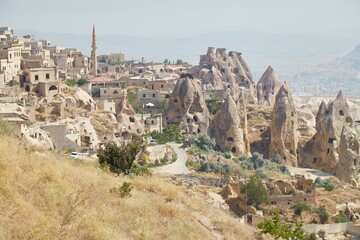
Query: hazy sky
[(169, 18)]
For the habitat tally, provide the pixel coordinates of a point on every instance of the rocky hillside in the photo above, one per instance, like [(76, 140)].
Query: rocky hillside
[(47, 196)]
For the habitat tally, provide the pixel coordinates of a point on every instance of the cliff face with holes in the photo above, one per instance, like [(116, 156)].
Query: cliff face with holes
[(227, 127), (267, 87), (348, 168), (284, 128), (187, 107), (227, 71), (322, 151)]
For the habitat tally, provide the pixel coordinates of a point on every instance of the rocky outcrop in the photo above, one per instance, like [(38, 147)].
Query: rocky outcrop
[(127, 120), (321, 152), (284, 128), (187, 107), (81, 100), (227, 128), (227, 71), (267, 87), (349, 155)]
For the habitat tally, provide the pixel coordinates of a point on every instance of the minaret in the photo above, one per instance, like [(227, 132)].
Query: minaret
[(93, 53)]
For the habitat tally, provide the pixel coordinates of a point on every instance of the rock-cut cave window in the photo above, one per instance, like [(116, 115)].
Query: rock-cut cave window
[(341, 112)]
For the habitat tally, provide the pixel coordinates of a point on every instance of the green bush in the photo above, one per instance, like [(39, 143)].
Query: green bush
[(261, 173), (123, 191), (255, 191), (119, 159), (323, 214), (203, 142), (275, 228), (134, 102), (213, 105), (300, 207), (341, 217), (171, 133), (256, 161), (326, 184)]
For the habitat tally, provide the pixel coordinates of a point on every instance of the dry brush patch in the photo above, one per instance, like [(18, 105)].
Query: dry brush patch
[(46, 196)]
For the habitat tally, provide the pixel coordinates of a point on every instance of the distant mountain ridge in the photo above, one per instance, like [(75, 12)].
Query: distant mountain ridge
[(283, 51)]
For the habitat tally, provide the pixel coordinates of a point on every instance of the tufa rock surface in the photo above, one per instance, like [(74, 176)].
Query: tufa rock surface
[(187, 107), (267, 87), (349, 155), (227, 71), (321, 152), (227, 128), (284, 128)]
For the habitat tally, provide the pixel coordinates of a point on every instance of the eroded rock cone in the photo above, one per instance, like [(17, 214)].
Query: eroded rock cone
[(187, 106), (267, 87), (284, 128), (227, 129), (349, 154), (321, 152), (227, 71)]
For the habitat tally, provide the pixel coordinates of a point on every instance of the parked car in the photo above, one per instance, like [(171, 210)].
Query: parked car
[(74, 155), (153, 141)]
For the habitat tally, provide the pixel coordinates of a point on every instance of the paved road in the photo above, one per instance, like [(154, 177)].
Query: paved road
[(177, 167), (308, 173)]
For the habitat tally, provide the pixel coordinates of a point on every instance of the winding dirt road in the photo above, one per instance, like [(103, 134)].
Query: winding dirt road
[(177, 167)]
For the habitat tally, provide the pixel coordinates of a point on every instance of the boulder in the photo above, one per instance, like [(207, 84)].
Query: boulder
[(267, 87), (284, 128), (321, 152), (187, 106)]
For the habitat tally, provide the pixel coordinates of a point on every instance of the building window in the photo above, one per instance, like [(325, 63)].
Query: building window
[(162, 86), (36, 77), (47, 76), (104, 91), (153, 95), (144, 95)]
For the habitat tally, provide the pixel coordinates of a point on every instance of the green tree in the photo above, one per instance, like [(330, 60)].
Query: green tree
[(299, 207), (166, 61), (281, 230), (171, 133), (179, 62), (119, 159), (323, 214), (213, 105), (165, 105), (81, 81), (134, 102), (255, 192)]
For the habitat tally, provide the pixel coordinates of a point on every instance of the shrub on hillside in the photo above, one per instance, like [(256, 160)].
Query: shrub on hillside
[(326, 184), (171, 133), (255, 192), (123, 191), (323, 214), (300, 207), (119, 159), (203, 142)]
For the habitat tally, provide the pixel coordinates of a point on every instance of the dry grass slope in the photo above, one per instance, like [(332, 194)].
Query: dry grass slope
[(46, 196)]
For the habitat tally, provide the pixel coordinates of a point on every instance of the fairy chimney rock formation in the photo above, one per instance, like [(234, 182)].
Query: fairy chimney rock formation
[(284, 128), (187, 107), (128, 122), (348, 168), (228, 72), (227, 129), (267, 87), (321, 152)]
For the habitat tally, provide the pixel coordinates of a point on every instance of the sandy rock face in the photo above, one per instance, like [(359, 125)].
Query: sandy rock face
[(227, 128), (284, 128), (321, 152), (267, 87), (128, 122), (187, 107), (349, 155), (227, 71)]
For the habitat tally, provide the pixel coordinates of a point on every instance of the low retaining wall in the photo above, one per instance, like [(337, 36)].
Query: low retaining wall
[(348, 227)]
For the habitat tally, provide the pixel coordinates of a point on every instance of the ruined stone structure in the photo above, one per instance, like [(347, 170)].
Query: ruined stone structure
[(219, 70), (227, 128), (267, 87), (284, 193), (187, 107), (284, 128), (321, 152), (348, 168)]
